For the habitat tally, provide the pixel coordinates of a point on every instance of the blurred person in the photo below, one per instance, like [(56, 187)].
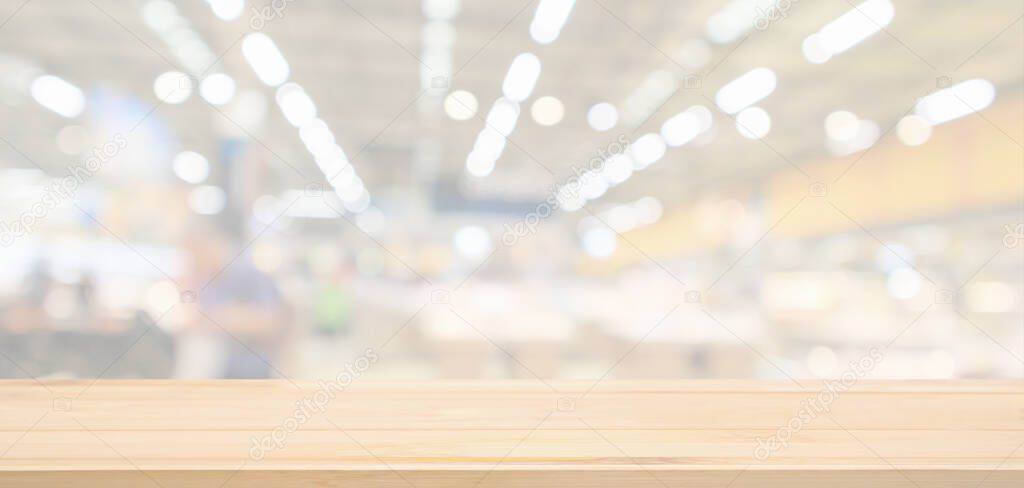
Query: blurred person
[(239, 320), (24, 312)]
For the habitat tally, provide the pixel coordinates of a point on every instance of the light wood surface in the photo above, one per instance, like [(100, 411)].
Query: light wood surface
[(511, 433)]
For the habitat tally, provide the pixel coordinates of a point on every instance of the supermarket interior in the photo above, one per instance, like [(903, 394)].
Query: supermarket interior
[(543, 189)]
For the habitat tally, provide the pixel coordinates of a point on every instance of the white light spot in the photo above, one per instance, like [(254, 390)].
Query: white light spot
[(547, 111)]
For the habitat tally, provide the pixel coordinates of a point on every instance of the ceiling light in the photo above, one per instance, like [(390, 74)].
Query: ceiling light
[(913, 130), (569, 198), (479, 165), (684, 126), (191, 167), (227, 9), (521, 77), (460, 105), (503, 116), (848, 30), (592, 185), (956, 101), (473, 242), (58, 95), (490, 143), (599, 242), (295, 104), (602, 116), (852, 135), (547, 111), (746, 90), (841, 125), (549, 19), (265, 59), (160, 15), (173, 87), (440, 9), (617, 169), (753, 123), (217, 88), (647, 210), (647, 150)]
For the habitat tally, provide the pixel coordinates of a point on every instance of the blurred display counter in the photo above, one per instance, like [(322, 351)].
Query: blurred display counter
[(511, 433)]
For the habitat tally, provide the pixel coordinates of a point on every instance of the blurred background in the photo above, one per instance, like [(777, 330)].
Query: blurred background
[(527, 189)]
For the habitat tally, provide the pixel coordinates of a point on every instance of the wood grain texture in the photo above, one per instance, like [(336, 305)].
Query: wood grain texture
[(510, 433)]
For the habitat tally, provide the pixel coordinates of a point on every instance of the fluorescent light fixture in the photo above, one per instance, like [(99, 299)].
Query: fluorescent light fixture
[(592, 185), (841, 125), (617, 169), (599, 242), (172, 87), (489, 143), (265, 59), (460, 105), (218, 88), (753, 123), (736, 18), (503, 116), (848, 30), (861, 135), (295, 104), (440, 9), (521, 77), (685, 126), (569, 198), (914, 130), (746, 90), (227, 9), (647, 150), (473, 242), (602, 116), (961, 99), (58, 95), (547, 111), (479, 165), (191, 167), (549, 19)]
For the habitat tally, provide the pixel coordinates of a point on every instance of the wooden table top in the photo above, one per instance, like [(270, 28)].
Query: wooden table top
[(512, 433)]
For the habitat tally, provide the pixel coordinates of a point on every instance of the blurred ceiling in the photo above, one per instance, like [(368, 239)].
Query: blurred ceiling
[(358, 59)]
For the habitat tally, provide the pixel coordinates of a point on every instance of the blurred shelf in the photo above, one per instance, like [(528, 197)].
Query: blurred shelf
[(510, 433)]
